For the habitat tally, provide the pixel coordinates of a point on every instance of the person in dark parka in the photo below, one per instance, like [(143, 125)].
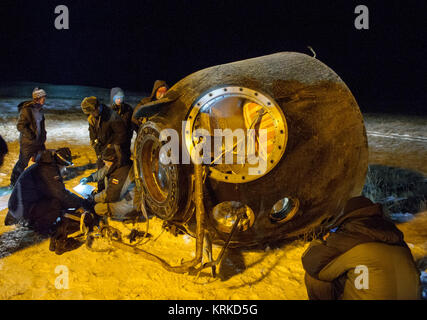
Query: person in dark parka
[(106, 129), (159, 90), (39, 196), (32, 138), (362, 240), (118, 198), (125, 111)]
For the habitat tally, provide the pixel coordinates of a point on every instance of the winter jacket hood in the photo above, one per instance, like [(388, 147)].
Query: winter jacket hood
[(157, 85), (30, 104), (146, 108), (116, 91), (22, 104), (362, 218), (362, 236), (361, 223)]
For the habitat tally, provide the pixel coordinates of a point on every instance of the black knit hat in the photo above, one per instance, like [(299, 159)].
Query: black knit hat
[(63, 157)]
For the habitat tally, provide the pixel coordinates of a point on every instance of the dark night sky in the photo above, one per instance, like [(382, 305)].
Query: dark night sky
[(131, 44)]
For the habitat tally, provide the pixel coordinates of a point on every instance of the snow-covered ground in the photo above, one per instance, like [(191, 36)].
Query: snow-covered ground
[(397, 140), (28, 268)]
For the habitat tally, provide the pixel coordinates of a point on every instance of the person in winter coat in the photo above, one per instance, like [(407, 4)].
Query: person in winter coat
[(32, 138), (106, 129), (125, 111), (363, 256), (117, 199), (159, 90), (39, 197)]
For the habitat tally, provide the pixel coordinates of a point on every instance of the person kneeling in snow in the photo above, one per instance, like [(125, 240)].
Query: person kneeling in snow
[(363, 257), (117, 199), (39, 196)]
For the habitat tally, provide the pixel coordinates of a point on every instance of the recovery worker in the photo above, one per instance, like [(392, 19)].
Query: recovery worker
[(39, 197), (363, 257), (125, 111), (32, 137), (106, 129), (116, 200), (159, 90)]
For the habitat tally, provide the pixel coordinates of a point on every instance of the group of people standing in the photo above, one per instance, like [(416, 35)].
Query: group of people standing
[(39, 197)]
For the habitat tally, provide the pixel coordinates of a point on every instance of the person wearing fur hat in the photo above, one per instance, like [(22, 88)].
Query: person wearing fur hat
[(362, 257), (125, 111), (106, 129), (31, 126)]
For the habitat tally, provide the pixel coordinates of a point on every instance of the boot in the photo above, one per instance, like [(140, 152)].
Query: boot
[(68, 244), (10, 220)]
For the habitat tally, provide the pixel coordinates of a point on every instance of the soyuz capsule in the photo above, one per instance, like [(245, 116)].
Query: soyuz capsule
[(291, 112)]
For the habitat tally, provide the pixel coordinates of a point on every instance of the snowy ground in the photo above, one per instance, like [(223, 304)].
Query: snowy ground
[(27, 267), (397, 140)]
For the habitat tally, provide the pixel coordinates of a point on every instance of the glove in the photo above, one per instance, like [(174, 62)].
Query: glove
[(86, 180)]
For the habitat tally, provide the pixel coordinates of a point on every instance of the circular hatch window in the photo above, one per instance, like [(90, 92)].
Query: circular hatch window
[(244, 133)]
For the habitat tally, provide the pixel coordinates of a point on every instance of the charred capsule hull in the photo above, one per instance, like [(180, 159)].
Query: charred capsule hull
[(316, 152)]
